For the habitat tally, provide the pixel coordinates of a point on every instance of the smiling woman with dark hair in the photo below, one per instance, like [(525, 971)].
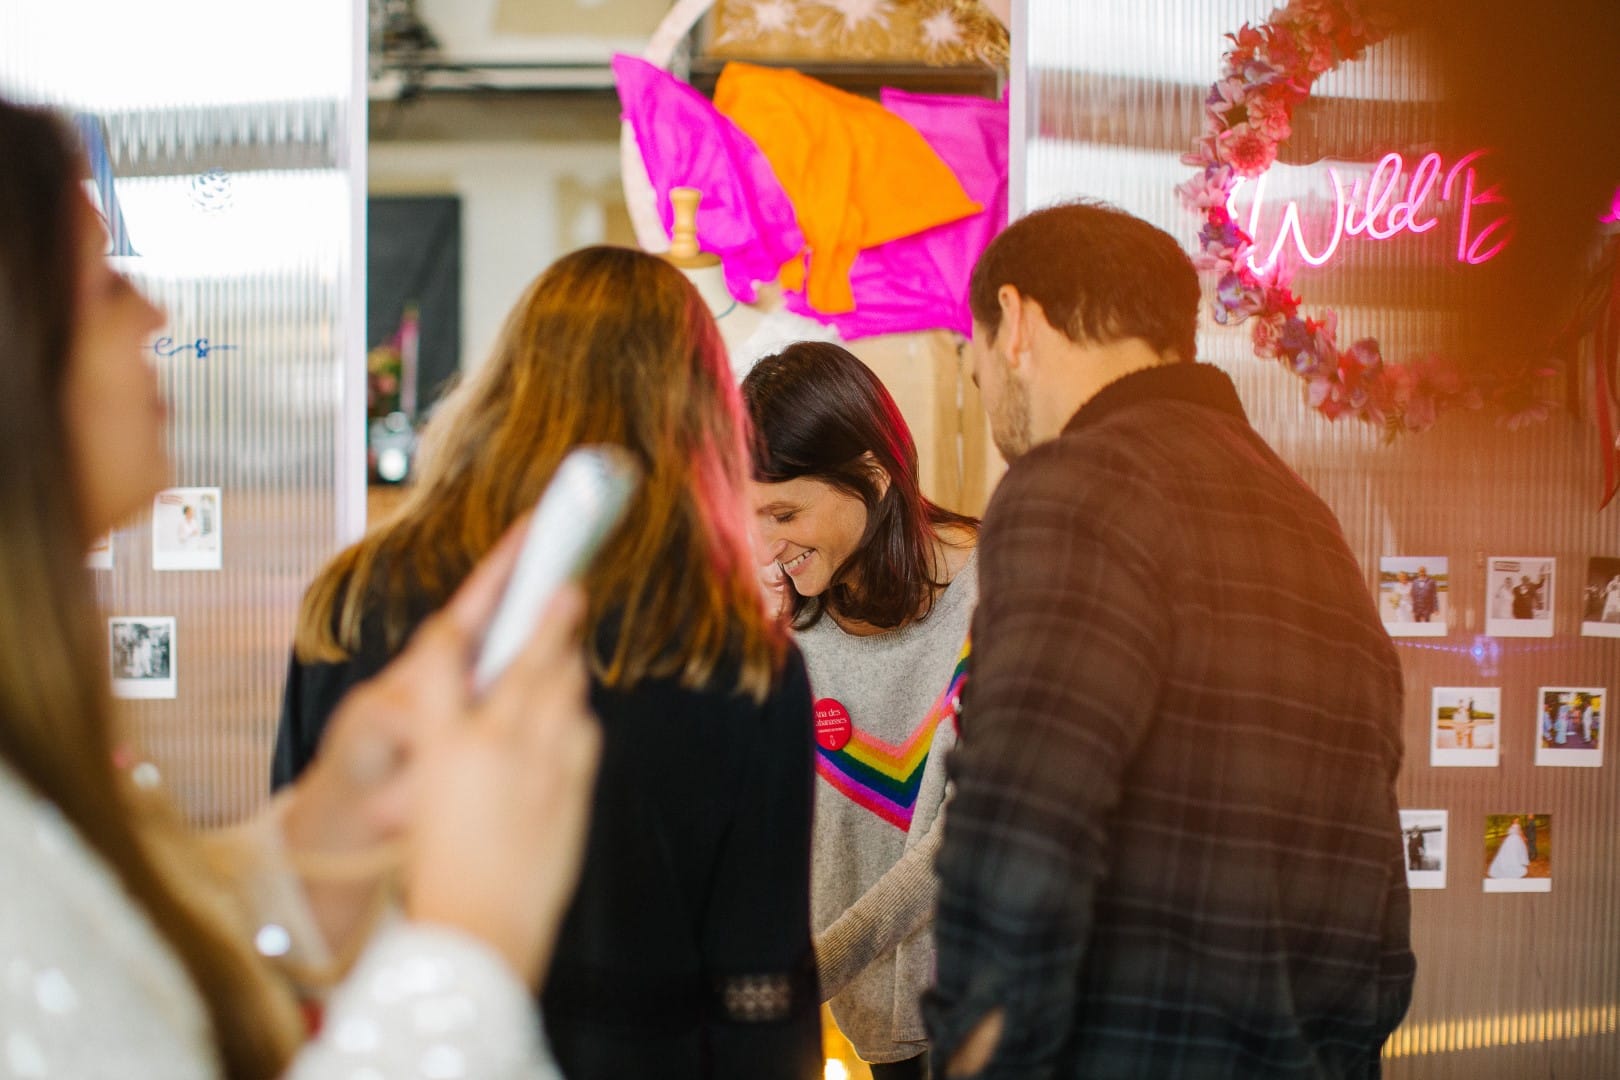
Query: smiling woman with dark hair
[(880, 584)]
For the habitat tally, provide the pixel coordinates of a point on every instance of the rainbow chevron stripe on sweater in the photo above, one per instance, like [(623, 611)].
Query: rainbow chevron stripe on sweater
[(884, 778)]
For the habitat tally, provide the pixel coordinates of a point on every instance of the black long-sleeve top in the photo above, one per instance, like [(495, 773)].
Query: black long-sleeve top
[(686, 952)]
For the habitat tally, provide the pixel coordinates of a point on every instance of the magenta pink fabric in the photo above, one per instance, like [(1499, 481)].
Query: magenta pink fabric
[(745, 217), (921, 282)]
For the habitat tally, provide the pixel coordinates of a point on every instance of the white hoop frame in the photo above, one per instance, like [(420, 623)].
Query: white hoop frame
[(639, 197)]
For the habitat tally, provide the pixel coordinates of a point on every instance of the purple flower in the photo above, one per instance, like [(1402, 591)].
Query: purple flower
[(1421, 412), (1235, 292), (1216, 235), (1294, 336), (1307, 363)]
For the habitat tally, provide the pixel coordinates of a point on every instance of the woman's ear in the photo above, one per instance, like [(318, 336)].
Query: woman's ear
[(880, 475)]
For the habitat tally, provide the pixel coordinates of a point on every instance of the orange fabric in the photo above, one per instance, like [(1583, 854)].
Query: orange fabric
[(858, 175)]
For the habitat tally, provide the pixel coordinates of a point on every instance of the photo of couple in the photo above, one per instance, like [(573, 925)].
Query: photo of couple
[(141, 655), (1570, 725), (1413, 595), (1424, 834), (1464, 726), (1519, 596), (1518, 852), (1600, 615)]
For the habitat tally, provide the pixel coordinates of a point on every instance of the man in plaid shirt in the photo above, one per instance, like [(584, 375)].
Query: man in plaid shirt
[(1174, 850)]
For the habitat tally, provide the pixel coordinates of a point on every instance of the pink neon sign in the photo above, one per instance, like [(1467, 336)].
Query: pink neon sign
[(1378, 207)]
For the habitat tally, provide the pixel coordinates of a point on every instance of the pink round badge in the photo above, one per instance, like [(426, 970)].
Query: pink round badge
[(832, 724)]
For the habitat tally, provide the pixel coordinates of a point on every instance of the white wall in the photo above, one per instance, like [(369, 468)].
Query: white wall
[(523, 205), (527, 30)]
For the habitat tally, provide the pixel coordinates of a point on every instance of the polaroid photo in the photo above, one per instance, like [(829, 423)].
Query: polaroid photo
[(1518, 852), (141, 654), (1413, 595), (1519, 596), (1423, 834), (1465, 726), (1600, 615), (186, 529), (100, 555), (1569, 725)]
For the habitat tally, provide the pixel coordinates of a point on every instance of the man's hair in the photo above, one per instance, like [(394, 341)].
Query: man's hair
[(1100, 274)]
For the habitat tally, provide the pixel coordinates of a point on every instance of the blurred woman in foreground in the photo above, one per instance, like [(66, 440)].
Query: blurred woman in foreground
[(129, 949)]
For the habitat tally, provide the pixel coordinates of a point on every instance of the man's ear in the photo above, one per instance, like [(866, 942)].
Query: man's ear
[(880, 475), (1014, 331)]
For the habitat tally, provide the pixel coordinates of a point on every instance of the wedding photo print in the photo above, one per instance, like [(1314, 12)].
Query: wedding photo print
[(142, 656), (1519, 596), (185, 529), (1464, 726), (1600, 616), (1569, 729), (1423, 832), (1413, 595), (1518, 852)]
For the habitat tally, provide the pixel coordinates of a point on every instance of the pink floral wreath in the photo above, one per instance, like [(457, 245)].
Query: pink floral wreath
[(1267, 72)]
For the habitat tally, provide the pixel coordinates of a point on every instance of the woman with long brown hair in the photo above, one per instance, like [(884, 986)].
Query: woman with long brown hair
[(687, 950), (129, 949)]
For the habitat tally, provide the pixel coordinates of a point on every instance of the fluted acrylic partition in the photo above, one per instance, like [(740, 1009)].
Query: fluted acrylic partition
[(1108, 95), (228, 153)]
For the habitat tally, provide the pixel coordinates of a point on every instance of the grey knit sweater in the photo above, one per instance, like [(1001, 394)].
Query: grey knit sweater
[(872, 871)]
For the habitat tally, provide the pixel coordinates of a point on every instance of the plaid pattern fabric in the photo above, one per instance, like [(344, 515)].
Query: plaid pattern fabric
[(1174, 850)]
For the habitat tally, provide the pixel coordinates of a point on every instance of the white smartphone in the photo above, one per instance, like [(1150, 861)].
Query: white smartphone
[(586, 498)]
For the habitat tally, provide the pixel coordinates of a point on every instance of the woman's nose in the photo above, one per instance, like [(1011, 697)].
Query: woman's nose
[(770, 546)]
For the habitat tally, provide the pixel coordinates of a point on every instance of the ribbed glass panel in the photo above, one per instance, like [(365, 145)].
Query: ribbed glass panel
[(1509, 985), (228, 130)]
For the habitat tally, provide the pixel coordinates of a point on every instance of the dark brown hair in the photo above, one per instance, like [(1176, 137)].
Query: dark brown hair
[(817, 412), (608, 345), (1100, 275), (55, 718)]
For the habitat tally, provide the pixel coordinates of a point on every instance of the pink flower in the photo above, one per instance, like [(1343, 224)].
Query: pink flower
[(1420, 413), (1280, 299), (1439, 376), (1202, 153), (1324, 394), (1323, 332), (1389, 390), (1322, 16), (1225, 95), (1264, 335), (1245, 43), (1268, 114), (1284, 51), (1208, 191), (1322, 57), (1361, 362), (1246, 150)]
